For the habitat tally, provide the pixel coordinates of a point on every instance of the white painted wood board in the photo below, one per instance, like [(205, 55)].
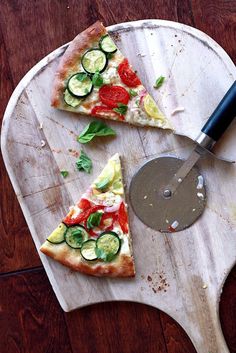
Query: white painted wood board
[(198, 72)]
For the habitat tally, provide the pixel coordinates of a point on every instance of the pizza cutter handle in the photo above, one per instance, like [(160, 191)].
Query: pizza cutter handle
[(221, 117)]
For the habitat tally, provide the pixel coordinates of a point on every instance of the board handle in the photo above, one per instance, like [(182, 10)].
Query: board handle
[(219, 120)]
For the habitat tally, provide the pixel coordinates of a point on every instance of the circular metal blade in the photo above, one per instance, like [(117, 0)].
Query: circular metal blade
[(162, 213)]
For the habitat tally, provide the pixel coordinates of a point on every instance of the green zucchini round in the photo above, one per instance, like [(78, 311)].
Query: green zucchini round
[(108, 245), (107, 45), (80, 85), (71, 100), (94, 60), (58, 235), (75, 236), (88, 250)]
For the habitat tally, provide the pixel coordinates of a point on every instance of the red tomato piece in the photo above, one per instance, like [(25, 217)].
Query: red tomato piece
[(101, 111), (112, 95), (127, 75), (84, 204), (123, 218), (82, 217)]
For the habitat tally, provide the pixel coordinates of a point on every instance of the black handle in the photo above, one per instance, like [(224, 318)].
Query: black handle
[(222, 116)]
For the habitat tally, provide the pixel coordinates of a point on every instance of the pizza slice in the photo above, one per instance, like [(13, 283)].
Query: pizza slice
[(94, 237), (94, 78)]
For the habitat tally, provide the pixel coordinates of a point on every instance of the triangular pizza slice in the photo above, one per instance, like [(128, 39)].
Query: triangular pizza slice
[(94, 78), (94, 237)]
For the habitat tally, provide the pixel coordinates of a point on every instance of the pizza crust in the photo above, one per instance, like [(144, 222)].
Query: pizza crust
[(122, 266), (71, 57)]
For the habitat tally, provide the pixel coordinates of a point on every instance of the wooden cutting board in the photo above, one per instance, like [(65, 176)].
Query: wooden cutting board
[(182, 273)]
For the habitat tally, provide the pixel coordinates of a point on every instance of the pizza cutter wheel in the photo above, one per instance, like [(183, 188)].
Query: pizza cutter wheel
[(167, 193)]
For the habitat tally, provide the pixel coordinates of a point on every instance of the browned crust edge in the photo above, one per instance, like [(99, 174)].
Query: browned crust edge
[(71, 57), (122, 267)]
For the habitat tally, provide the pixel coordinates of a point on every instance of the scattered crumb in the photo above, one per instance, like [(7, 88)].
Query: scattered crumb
[(157, 281), (56, 150), (204, 286), (40, 126), (68, 7), (179, 180), (74, 153), (43, 143), (194, 209), (145, 197), (151, 204), (177, 110), (167, 221)]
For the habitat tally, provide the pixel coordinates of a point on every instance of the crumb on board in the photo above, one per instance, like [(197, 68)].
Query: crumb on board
[(204, 286), (157, 281), (145, 197), (177, 110), (43, 143), (74, 153), (40, 126)]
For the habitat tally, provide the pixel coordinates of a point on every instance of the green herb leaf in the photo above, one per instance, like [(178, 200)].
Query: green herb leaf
[(97, 79), (64, 173), (84, 163), (81, 76), (159, 82), (132, 93), (101, 254), (94, 220), (122, 108), (95, 128), (109, 55)]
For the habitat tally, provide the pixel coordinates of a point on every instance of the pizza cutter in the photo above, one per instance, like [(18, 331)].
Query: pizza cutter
[(167, 193)]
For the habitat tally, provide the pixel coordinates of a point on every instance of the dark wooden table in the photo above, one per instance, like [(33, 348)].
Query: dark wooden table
[(31, 318)]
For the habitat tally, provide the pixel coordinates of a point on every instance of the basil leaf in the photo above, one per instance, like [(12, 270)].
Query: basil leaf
[(94, 220), (122, 108), (109, 55), (159, 82), (64, 173), (95, 128), (81, 76), (84, 163), (132, 93), (97, 79), (101, 254)]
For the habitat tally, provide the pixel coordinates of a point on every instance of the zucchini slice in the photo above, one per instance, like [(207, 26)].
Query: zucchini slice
[(80, 85), (107, 45), (71, 100), (94, 60), (88, 250), (58, 235), (76, 236), (107, 246)]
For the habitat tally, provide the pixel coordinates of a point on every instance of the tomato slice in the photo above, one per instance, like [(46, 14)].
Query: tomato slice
[(112, 95), (84, 204), (127, 75), (101, 111), (123, 218), (82, 217)]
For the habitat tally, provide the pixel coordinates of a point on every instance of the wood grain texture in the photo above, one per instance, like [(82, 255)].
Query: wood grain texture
[(120, 335), (52, 23), (31, 320), (16, 242)]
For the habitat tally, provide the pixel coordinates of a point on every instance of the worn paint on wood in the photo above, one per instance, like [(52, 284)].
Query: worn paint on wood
[(182, 274)]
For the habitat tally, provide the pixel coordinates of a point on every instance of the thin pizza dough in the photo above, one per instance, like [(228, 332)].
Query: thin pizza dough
[(94, 238), (95, 79)]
